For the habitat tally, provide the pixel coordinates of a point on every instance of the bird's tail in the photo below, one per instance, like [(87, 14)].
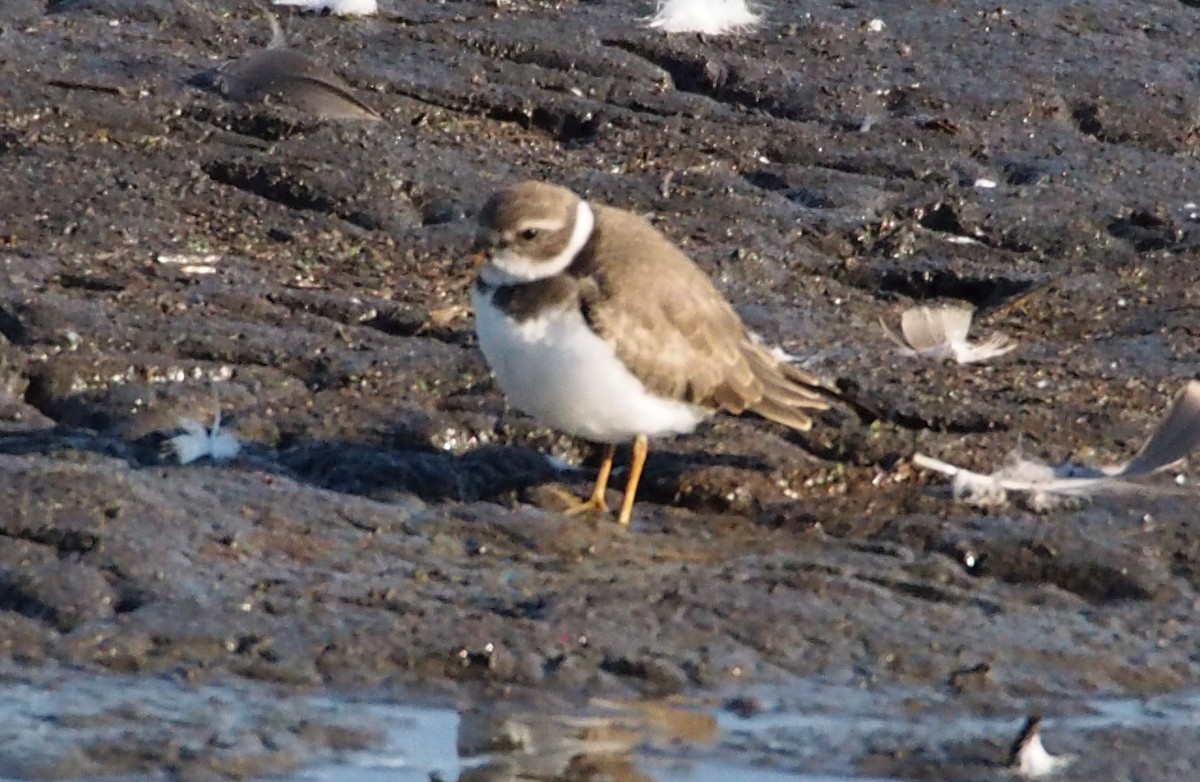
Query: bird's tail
[(790, 393)]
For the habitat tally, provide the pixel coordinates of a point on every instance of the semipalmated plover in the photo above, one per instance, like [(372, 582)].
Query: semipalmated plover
[(596, 324)]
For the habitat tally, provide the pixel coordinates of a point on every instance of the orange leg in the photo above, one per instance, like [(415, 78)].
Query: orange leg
[(596, 501), (641, 446)]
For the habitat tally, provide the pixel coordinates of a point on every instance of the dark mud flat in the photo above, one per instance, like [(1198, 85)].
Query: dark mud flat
[(388, 525)]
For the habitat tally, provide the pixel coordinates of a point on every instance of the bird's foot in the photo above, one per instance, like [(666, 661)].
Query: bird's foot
[(560, 499), (593, 504)]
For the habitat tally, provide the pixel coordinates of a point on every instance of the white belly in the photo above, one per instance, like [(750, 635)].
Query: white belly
[(555, 369)]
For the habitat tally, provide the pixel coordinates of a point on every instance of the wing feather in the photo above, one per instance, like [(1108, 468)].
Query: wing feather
[(682, 339)]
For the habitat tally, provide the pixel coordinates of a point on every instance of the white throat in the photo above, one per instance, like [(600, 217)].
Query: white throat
[(510, 268)]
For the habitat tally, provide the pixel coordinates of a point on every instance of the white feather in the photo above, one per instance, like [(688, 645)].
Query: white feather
[(1044, 485), (710, 17), (941, 333), (1033, 761), (196, 442), (336, 7), (554, 368)]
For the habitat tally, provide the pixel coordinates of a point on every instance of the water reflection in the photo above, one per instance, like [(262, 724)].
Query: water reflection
[(510, 744), (66, 724)]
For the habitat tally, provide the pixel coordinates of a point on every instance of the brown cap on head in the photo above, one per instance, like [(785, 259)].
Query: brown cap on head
[(528, 200), (533, 217)]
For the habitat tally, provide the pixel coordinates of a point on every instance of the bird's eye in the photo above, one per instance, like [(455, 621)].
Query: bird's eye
[(528, 234)]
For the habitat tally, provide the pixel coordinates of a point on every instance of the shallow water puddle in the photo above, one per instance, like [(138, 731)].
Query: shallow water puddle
[(639, 743), (72, 725)]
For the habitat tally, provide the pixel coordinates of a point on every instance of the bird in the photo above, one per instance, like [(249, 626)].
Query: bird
[(593, 322)]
